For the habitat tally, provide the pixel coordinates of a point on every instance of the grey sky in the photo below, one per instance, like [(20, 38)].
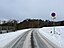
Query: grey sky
[(22, 9)]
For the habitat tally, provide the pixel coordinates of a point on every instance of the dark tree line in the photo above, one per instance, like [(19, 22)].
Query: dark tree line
[(38, 23), (32, 23)]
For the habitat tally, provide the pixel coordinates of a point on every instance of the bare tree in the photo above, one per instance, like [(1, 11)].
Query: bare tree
[(3, 22)]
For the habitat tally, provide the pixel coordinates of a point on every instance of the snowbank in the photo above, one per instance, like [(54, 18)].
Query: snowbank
[(57, 38), (8, 38)]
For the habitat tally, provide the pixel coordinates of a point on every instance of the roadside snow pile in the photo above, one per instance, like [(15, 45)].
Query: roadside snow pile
[(57, 38), (8, 38)]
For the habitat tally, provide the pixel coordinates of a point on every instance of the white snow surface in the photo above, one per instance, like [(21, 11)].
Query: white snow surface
[(57, 38), (7, 38)]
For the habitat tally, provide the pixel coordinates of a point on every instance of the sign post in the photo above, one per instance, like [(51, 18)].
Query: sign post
[(53, 15)]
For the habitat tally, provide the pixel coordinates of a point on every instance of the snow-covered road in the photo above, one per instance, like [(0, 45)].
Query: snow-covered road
[(42, 41), (57, 38), (7, 40), (33, 38)]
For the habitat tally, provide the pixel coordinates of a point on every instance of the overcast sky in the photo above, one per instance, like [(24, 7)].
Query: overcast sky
[(22, 9)]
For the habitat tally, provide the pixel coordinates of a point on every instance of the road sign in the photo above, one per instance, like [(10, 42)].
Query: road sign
[(53, 14)]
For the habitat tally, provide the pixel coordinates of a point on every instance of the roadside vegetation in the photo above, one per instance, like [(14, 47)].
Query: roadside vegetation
[(31, 23)]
